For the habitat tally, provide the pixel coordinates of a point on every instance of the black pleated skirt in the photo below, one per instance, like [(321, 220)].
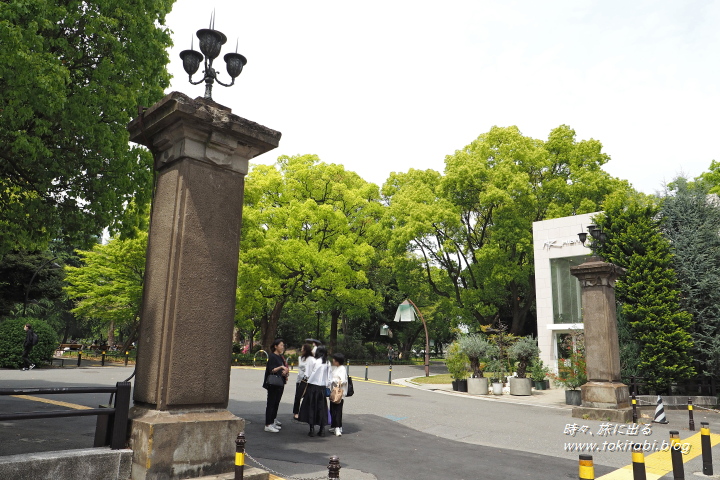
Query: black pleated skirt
[(314, 408)]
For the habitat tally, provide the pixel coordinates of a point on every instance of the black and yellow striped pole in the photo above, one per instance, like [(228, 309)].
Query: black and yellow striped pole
[(79, 358), (366, 371), (586, 470), (390, 374), (127, 356), (706, 448), (676, 456), (102, 359), (638, 462), (691, 426), (634, 408), (239, 456), (348, 367)]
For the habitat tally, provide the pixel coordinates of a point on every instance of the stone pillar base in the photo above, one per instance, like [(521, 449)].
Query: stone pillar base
[(605, 395), (614, 415), (609, 401), (187, 444)]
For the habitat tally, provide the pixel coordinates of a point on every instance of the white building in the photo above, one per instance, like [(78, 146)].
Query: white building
[(558, 299)]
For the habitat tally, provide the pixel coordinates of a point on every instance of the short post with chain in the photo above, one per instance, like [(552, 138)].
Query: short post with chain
[(390, 374), (366, 371), (334, 467), (239, 456)]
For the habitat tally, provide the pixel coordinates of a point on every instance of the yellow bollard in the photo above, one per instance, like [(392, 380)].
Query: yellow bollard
[(586, 468), (638, 462), (706, 448)]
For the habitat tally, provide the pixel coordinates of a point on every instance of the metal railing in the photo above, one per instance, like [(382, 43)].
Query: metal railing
[(112, 422)]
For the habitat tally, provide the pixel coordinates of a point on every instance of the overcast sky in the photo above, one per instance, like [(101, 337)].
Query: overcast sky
[(382, 86)]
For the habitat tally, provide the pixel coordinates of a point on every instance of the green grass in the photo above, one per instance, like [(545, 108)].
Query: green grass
[(434, 379)]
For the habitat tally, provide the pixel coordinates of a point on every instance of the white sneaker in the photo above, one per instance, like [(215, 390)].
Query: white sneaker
[(277, 424), (272, 429), (338, 432), (32, 366), (25, 369), (332, 429)]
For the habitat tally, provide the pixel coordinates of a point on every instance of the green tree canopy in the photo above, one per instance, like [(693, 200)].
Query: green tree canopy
[(471, 227), (108, 286), (309, 231), (72, 75), (691, 222), (648, 294)]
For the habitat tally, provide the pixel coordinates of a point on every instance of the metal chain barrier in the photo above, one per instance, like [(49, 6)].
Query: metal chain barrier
[(282, 475)]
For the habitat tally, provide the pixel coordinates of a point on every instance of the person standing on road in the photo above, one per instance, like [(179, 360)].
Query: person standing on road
[(276, 374), (31, 340), (301, 383), (339, 380), (314, 409)]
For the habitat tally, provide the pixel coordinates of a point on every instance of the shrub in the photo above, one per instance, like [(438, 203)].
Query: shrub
[(477, 348), (12, 337), (457, 362), (524, 350)]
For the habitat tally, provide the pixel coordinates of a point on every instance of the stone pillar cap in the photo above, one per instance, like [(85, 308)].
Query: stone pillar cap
[(202, 114), (594, 269)]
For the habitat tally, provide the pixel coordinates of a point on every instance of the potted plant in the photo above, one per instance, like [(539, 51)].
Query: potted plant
[(524, 350), (572, 371), (477, 349), (457, 364), (538, 372), (496, 367)]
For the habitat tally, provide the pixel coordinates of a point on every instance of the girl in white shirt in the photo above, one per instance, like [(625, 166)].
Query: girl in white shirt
[(305, 354), (339, 379), (314, 409)]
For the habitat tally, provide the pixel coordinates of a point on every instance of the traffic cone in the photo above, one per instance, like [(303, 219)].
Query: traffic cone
[(659, 412)]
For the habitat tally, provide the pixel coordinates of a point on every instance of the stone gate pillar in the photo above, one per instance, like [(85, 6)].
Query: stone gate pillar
[(604, 396), (181, 427)]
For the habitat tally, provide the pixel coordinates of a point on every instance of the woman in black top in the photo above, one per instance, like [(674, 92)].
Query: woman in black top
[(276, 366)]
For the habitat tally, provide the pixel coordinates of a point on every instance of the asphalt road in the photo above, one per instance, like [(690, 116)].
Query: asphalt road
[(390, 432)]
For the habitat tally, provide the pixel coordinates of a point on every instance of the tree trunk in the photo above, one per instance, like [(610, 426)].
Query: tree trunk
[(269, 325), (111, 334), (334, 317)]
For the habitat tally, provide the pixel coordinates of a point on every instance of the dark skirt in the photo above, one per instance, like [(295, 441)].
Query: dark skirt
[(314, 409)]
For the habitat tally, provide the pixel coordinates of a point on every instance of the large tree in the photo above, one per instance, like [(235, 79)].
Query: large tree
[(309, 230), (72, 75), (691, 222), (472, 226), (648, 293), (108, 286)]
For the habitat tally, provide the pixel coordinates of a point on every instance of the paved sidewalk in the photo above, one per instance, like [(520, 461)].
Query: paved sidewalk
[(553, 398)]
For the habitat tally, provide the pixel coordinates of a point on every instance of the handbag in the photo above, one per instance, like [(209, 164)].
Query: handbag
[(275, 380), (336, 395), (351, 390)]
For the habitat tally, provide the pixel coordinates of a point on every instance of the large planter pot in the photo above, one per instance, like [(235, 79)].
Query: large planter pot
[(572, 397), (497, 388), (547, 384), (462, 385), (477, 386), (455, 385), (539, 385), (520, 386)]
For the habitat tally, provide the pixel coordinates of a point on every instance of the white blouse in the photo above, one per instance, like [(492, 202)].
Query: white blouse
[(340, 378), (302, 368), (318, 373)]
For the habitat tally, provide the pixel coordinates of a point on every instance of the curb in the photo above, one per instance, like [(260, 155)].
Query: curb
[(487, 398)]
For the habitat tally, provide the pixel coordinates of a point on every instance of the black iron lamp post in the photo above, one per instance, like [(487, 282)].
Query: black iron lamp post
[(211, 41), (597, 235)]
